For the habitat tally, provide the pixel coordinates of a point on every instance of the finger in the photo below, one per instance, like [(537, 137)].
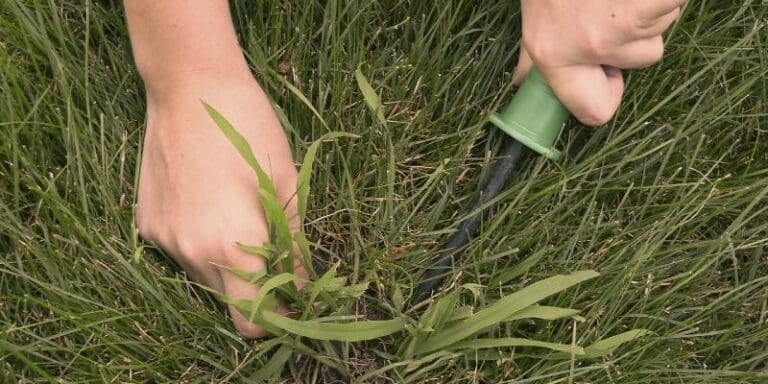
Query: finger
[(236, 288), (656, 26), (298, 268), (653, 9), (286, 194), (524, 64), (637, 54), (288, 198), (592, 93)]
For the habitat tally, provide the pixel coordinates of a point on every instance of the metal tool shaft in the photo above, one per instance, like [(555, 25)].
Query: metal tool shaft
[(532, 119), (456, 245)]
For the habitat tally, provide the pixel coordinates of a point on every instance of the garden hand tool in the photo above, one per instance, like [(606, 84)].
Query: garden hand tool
[(533, 119)]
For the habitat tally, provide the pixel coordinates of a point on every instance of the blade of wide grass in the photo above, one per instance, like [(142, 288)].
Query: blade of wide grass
[(544, 312), (279, 228), (606, 346), (370, 96), (242, 146), (502, 310), (517, 342), (252, 307), (350, 332), (274, 365)]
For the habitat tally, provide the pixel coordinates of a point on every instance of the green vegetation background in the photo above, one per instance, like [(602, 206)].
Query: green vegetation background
[(668, 201)]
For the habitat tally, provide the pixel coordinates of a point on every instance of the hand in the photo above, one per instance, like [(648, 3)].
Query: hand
[(197, 197), (581, 46)]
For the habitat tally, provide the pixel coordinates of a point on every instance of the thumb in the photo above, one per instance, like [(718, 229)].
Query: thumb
[(524, 64), (591, 93)]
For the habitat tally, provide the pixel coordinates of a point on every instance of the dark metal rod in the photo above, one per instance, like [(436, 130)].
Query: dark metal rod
[(454, 248)]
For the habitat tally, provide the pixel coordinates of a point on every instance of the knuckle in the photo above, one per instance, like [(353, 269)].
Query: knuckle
[(247, 233), (196, 243), (217, 243), (245, 328), (228, 253), (191, 252), (642, 23), (597, 45), (676, 13), (232, 257), (539, 50)]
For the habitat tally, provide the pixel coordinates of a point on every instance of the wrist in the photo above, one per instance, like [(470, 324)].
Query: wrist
[(159, 74), (173, 41)]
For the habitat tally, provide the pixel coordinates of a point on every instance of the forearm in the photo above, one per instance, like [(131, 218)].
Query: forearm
[(172, 38)]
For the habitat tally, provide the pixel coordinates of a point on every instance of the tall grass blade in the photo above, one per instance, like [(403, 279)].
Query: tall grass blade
[(274, 366), (502, 310), (279, 228), (242, 146), (350, 332), (544, 312), (606, 346), (303, 180), (517, 342), (371, 98)]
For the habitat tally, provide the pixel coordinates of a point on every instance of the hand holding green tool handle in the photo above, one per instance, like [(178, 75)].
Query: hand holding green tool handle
[(533, 118)]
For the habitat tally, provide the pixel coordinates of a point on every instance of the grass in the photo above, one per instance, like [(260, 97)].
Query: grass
[(667, 201)]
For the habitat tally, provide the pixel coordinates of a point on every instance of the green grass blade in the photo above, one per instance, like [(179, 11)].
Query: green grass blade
[(462, 313), (371, 98), (418, 363), (503, 310), (279, 227), (275, 365), (544, 312), (303, 180), (354, 290), (306, 254), (252, 307), (304, 100), (317, 287), (351, 332), (266, 250), (440, 312), (251, 277), (242, 146), (517, 342), (606, 346), (398, 300), (518, 270)]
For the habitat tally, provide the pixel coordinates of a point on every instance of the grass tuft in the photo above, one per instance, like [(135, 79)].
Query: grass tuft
[(667, 202)]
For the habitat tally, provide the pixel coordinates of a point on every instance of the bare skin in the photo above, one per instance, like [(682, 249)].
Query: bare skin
[(581, 46), (197, 197)]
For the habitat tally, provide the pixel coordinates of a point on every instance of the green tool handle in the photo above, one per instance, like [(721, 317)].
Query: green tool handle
[(534, 117)]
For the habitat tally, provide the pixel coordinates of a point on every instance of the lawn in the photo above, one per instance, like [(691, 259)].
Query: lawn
[(668, 201)]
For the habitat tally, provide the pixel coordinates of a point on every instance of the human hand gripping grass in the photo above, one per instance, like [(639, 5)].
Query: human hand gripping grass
[(195, 207), (445, 330), (198, 213)]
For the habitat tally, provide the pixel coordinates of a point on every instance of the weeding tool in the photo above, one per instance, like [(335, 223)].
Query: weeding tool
[(533, 119)]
